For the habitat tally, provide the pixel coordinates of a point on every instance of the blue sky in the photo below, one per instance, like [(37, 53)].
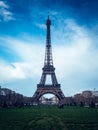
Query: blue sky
[(74, 34)]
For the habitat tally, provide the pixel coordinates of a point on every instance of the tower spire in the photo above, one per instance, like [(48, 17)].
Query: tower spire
[(48, 38)]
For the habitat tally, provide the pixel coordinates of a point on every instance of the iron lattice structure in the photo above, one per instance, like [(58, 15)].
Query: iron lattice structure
[(48, 69)]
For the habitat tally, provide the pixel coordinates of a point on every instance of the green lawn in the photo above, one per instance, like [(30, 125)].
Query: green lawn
[(49, 118)]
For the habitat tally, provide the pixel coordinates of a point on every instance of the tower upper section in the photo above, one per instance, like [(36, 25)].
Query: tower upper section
[(48, 53)]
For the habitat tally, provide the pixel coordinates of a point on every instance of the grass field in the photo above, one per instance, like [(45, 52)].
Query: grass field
[(49, 118)]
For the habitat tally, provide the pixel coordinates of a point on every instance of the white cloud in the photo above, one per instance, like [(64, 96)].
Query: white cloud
[(3, 5), (9, 72), (5, 14), (77, 58), (42, 26)]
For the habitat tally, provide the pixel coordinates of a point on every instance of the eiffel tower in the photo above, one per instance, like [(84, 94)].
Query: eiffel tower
[(48, 70)]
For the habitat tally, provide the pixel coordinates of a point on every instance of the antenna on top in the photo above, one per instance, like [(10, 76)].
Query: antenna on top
[(48, 15)]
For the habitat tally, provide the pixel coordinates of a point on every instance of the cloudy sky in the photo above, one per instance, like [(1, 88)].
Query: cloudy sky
[(74, 34)]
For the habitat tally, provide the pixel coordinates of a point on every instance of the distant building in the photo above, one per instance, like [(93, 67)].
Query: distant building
[(68, 101), (95, 93), (50, 101), (87, 94), (42, 100), (2, 93), (86, 97), (78, 98), (54, 100)]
